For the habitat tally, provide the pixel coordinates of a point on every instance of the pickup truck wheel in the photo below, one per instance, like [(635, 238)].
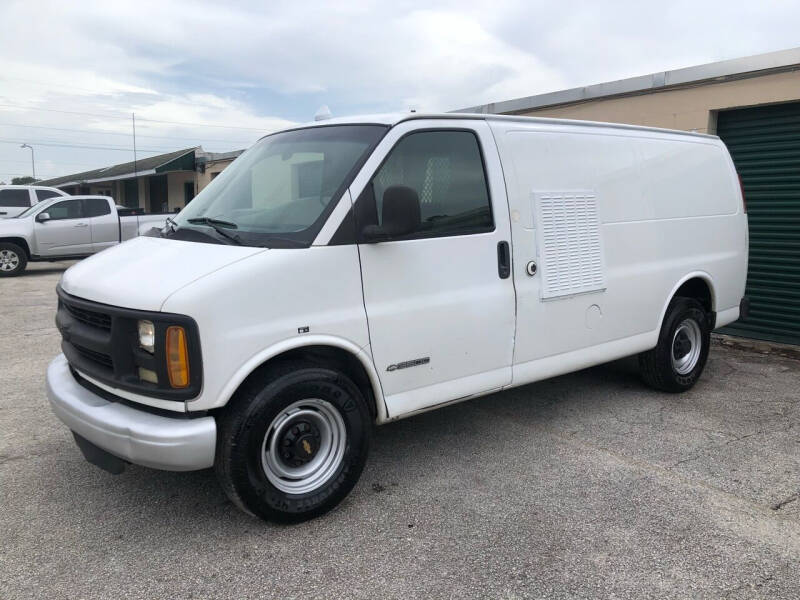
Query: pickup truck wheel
[(13, 260), (678, 360), (293, 442)]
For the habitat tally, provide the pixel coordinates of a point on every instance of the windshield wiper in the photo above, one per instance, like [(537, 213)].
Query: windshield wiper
[(219, 225)]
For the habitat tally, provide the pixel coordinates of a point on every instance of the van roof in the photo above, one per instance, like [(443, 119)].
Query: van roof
[(393, 119)]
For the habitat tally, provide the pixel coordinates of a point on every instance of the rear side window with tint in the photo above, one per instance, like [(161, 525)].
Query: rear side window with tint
[(445, 168), (45, 194), (96, 207), (15, 198)]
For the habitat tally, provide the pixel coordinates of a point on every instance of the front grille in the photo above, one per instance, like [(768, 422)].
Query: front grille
[(89, 317), (102, 342), (98, 357)]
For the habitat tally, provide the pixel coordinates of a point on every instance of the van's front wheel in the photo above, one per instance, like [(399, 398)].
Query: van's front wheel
[(678, 360), (293, 443)]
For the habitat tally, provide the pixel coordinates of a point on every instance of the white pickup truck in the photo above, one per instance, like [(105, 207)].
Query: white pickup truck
[(66, 227), (15, 199), (357, 271)]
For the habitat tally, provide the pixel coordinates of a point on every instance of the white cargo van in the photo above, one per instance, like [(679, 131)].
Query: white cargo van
[(357, 271)]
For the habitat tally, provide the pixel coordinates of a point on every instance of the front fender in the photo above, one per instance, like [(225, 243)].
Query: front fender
[(258, 359)]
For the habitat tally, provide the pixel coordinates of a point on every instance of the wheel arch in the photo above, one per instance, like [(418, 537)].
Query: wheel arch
[(21, 242), (698, 285), (339, 353)]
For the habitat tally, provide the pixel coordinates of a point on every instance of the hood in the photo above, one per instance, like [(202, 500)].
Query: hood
[(13, 226), (143, 272)]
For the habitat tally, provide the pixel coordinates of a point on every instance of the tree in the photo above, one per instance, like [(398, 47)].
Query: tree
[(27, 180)]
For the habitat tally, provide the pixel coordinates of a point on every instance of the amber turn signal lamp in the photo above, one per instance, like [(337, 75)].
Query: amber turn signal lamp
[(177, 357)]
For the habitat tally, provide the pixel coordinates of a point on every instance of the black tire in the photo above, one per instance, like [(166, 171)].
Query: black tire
[(12, 252), (657, 367), (243, 442)]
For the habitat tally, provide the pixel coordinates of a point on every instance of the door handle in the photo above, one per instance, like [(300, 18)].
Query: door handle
[(82, 225), (503, 260)]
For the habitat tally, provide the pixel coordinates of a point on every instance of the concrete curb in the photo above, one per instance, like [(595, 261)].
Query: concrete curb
[(757, 346)]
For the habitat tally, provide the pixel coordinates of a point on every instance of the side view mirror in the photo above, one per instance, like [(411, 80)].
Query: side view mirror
[(400, 215), (42, 217)]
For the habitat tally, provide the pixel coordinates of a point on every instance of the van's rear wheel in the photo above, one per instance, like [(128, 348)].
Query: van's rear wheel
[(12, 260), (293, 443), (678, 360)]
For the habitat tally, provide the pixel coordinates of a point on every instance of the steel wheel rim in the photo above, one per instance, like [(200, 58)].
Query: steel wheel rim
[(687, 343), (8, 260), (327, 458)]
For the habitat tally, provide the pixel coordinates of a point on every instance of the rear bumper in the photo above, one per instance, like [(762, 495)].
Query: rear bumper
[(744, 308), (136, 436)]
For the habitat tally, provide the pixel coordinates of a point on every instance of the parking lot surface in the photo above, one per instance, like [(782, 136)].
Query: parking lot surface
[(585, 486)]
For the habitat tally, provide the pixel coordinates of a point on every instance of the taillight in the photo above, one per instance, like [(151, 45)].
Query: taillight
[(741, 187)]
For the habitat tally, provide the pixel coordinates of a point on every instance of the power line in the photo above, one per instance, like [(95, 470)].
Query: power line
[(60, 145), (4, 160), (109, 132), (108, 116)]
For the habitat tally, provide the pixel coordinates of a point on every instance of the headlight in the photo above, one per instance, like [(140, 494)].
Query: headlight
[(147, 335)]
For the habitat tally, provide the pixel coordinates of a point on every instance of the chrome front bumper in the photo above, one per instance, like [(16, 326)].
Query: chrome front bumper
[(136, 436)]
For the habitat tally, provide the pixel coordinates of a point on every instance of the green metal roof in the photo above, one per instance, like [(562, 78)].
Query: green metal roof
[(180, 160)]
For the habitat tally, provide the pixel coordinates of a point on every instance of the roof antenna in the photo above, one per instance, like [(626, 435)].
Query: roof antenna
[(323, 113)]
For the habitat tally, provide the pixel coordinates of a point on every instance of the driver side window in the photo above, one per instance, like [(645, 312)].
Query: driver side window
[(68, 209), (445, 169)]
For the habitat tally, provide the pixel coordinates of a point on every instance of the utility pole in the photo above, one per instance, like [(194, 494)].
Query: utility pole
[(33, 163)]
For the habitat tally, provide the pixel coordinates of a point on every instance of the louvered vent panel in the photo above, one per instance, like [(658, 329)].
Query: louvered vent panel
[(570, 251)]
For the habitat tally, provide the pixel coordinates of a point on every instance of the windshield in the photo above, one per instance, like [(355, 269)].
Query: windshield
[(284, 187), (30, 210)]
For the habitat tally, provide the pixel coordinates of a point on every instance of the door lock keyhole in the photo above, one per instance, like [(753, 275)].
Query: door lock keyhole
[(530, 268)]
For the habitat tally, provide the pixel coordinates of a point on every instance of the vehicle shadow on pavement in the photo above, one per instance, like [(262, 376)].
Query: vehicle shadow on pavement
[(33, 272)]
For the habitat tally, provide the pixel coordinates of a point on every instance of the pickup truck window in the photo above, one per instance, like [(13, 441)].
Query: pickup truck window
[(284, 187), (96, 207), (45, 194), (445, 168), (15, 198), (68, 209)]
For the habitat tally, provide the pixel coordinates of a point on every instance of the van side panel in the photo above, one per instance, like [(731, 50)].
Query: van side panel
[(667, 206)]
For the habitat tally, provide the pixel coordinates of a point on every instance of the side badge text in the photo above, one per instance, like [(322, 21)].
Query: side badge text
[(409, 363)]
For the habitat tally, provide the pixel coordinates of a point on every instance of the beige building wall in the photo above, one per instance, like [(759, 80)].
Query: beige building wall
[(105, 188), (212, 168), (175, 181), (688, 108)]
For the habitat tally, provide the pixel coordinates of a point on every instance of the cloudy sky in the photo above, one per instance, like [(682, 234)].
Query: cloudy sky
[(222, 74)]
